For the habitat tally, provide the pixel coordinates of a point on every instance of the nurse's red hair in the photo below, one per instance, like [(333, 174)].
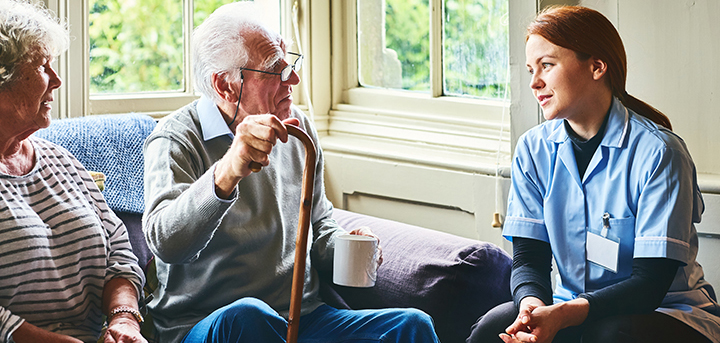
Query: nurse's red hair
[(589, 33)]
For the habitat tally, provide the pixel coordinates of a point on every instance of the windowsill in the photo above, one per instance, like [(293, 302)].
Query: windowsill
[(709, 183), (422, 106), (156, 104), (465, 134), (415, 153)]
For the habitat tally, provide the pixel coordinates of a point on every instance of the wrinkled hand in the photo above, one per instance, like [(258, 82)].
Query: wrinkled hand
[(254, 140), (365, 231), (123, 328)]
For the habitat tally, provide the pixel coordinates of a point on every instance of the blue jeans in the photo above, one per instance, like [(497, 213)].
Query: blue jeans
[(252, 320)]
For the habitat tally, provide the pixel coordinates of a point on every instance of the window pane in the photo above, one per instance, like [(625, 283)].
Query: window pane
[(475, 56), (203, 8), (136, 45), (394, 44)]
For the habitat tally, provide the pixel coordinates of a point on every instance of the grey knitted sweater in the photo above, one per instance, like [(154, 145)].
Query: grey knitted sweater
[(211, 252)]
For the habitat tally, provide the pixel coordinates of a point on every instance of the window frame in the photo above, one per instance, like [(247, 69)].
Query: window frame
[(74, 97), (426, 128), (429, 129)]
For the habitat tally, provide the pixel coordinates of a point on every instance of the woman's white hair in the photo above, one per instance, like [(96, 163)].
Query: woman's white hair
[(27, 29), (219, 46)]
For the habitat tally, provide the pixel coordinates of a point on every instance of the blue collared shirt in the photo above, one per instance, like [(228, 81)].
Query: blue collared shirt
[(211, 120), (641, 175)]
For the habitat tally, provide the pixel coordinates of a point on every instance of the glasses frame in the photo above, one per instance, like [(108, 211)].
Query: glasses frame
[(285, 72), (283, 76)]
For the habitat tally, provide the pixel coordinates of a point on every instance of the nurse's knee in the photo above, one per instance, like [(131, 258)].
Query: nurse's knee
[(492, 323)]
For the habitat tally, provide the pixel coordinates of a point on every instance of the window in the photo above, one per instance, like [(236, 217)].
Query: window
[(394, 46), (132, 55), (135, 46), (424, 81)]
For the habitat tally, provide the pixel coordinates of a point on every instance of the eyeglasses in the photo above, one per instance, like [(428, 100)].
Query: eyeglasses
[(284, 76), (287, 71)]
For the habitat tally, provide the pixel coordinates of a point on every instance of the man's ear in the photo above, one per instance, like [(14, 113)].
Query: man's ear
[(599, 68), (223, 88)]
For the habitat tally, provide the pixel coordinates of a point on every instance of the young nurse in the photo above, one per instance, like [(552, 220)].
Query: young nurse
[(610, 191)]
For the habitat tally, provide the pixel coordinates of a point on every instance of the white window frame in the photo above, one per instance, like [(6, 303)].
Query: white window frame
[(74, 98), (431, 129), (428, 129)]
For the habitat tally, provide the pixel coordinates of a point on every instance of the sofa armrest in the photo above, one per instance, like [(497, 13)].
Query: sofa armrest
[(453, 279)]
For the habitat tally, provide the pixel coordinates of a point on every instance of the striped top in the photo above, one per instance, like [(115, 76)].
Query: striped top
[(59, 244)]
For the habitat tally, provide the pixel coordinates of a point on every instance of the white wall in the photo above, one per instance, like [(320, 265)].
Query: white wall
[(709, 244), (672, 50), (457, 202)]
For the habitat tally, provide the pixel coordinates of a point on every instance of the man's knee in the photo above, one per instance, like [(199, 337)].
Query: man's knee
[(246, 320), (411, 325), (416, 317), (246, 311)]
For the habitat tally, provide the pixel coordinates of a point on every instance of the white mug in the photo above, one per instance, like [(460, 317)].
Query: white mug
[(355, 261)]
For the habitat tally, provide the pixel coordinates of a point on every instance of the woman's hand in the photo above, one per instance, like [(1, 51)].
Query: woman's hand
[(520, 330), (123, 328), (32, 334), (537, 323)]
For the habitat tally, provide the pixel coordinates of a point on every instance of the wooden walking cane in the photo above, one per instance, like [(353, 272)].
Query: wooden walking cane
[(303, 226)]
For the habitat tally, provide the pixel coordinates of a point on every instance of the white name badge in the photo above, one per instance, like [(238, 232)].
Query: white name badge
[(603, 251)]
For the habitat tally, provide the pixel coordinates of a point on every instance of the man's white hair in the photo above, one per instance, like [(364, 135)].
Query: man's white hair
[(27, 29), (219, 45)]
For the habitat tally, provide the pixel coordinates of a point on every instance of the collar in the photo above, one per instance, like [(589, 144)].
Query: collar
[(211, 120), (615, 132), (617, 126)]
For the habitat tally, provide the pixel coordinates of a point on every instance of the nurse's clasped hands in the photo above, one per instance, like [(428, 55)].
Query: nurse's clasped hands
[(539, 323)]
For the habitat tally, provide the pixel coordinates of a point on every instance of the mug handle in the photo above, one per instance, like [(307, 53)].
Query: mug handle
[(373, 266)]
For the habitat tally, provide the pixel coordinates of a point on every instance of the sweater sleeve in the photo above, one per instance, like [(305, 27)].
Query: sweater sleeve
[(121, 260), (643, 292), (532, 264), (8, 324), (181, 209)]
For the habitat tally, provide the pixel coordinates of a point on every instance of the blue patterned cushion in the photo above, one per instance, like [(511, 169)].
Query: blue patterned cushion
[(111, 144)]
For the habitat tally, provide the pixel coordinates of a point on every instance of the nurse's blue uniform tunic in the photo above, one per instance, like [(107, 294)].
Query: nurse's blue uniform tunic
[(642, 175)]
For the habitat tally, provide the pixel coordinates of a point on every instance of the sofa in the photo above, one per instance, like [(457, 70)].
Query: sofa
[(453, 279)]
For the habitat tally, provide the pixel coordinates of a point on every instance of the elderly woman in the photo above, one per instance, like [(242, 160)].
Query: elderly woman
[(64, 256)]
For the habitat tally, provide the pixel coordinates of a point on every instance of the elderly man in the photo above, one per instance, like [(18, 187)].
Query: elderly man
[(224, 236)]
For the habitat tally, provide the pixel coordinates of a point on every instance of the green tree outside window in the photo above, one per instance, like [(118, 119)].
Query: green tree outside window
[(137, 45)]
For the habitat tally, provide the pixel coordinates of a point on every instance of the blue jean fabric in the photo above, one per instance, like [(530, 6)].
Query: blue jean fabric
[(252, 320)]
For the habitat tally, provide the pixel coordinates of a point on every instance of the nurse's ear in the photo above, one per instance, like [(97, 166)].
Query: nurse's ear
[(599, 68)]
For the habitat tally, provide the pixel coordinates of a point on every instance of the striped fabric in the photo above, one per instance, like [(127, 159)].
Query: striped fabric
[(59, 244)]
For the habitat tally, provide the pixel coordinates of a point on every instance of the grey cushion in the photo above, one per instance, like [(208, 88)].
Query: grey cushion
[(453, 279), (133, 223)]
